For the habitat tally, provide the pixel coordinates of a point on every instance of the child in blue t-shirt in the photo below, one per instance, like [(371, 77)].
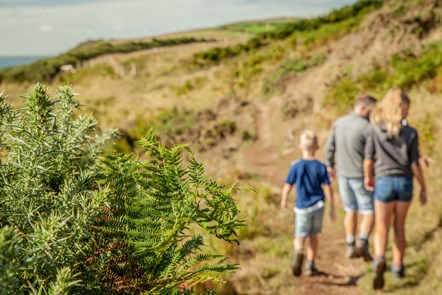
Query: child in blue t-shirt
[(309, 176)]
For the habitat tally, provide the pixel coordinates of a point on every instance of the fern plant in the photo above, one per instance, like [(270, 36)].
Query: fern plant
[(149, 229)]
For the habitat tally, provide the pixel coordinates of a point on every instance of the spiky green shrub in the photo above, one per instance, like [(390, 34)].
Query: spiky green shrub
[(78, 222), (48, 167)]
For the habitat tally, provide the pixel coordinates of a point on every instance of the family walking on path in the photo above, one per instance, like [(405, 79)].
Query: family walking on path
[(374, 154)]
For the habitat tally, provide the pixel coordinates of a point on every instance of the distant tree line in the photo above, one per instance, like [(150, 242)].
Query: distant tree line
[(46, 69)]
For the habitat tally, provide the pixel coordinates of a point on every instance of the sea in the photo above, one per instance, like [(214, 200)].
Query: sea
[(10, 61)]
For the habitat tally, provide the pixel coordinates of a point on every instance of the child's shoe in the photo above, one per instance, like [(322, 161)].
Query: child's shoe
[(297, 263), (350, 251), (379, 267), (398, 271), (361, 250), (310, 269)]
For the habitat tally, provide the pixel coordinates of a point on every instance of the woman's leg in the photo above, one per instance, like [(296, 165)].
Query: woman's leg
[(400, 212), (383, 212)]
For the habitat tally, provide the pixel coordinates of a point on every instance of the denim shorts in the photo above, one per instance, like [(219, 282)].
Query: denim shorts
[(309, 223), (354, 195), (394, 188)]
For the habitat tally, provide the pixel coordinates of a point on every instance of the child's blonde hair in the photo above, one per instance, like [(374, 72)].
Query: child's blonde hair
[(308, 140), (388, 114)]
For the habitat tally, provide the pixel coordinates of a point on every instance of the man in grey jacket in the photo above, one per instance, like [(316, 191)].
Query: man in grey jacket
[(346, 143)]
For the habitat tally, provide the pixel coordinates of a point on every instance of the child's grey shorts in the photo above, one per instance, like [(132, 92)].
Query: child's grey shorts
[(309, 223)]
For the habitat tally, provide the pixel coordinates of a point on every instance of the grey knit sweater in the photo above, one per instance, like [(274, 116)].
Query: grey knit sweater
[(346, 145)]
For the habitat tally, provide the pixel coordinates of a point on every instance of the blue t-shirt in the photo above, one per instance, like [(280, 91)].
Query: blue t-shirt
[(308, 176)]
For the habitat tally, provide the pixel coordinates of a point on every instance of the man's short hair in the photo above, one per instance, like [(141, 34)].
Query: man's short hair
[(308, 140), (365, 100)]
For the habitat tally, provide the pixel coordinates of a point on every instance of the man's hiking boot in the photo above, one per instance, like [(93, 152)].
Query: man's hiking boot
[(379, 267), (350, 251), (310, 269), (297, 263), (361, 250), (398, 273)]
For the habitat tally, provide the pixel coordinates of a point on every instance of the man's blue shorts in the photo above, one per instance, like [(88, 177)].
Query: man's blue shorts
[(354, 195)]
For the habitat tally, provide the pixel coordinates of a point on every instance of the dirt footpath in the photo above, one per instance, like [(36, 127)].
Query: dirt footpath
[(340, 275)]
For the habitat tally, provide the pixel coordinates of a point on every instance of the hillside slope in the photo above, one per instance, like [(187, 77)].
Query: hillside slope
[(242, 100)]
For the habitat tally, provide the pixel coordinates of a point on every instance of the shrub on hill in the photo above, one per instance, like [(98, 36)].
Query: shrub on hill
[(281, 32), (406, 71), (273, 81), (46, 69), (203, 130)]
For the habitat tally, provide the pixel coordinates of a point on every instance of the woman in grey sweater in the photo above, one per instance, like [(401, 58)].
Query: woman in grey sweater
[(392, 150)]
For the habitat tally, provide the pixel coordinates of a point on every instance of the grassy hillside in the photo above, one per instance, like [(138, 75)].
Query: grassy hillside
[(242, 100)]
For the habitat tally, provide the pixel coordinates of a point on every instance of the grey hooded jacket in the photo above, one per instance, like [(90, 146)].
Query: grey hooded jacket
[(393, 156)]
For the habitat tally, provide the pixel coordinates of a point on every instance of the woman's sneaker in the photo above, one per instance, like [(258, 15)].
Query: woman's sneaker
[(379, 267), (297, 263), (398, 273)]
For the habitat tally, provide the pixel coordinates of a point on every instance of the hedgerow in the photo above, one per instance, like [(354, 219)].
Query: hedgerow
[(47, 69)]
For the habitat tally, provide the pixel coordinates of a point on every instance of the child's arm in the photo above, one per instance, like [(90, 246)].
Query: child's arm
[(328, 192), (285, 194), (417, 171)]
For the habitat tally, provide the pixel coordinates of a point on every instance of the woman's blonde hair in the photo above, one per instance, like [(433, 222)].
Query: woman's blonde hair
[(388, 114)]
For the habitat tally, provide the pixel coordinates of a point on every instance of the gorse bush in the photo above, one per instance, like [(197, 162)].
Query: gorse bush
[(47, 170), (76, 221)]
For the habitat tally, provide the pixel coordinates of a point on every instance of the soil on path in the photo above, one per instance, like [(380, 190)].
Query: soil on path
[(339, 275)]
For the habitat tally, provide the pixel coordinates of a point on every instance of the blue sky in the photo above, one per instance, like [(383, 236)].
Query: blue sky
[(49, 27)]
